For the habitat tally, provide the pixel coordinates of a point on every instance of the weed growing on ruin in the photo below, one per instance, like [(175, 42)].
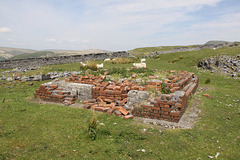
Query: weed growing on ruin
[(165, 90), (92, 127), (119, 71)]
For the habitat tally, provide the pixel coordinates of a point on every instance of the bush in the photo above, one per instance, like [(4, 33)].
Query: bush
[(175, 60), (89, 65), (208, 81), (92, 127)]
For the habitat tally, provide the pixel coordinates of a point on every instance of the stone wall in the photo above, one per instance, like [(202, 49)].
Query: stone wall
[(59, 60)]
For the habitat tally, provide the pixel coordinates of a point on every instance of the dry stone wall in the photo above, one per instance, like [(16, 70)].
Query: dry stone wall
[(59, 60)]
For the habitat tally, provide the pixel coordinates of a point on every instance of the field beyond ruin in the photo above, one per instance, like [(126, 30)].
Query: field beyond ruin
[(33, 129)]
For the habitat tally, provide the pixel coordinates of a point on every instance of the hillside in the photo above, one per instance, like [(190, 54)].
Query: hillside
[(37, 54), (151, 50), (217, 42), (31, 129), (6, 52), (52, 53), (18, 53)]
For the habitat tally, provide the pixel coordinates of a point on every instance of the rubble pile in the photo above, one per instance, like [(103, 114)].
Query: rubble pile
[(53, 93), (128, 98)]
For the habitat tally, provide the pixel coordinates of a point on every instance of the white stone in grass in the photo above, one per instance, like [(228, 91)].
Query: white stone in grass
[(9, 79), (217, 154), (210, 157)]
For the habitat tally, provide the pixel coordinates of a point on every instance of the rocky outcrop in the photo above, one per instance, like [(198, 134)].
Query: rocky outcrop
[(223, 64)]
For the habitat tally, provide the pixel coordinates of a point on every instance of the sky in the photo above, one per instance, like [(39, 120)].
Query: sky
[(116, 25)]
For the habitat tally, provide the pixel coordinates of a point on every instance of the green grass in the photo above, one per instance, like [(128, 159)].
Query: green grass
[(42, 131)]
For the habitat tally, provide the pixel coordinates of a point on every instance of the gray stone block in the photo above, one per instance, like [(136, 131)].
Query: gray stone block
[(135, 96), (83, 91)]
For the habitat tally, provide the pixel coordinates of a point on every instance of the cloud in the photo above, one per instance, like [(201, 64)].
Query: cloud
[(72, 40), (150, 5), (222, 22), (50, 40), (85, 41), (117, 24), (5, 29)]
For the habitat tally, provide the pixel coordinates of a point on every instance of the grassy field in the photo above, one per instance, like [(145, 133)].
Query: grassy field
[(30, 130)]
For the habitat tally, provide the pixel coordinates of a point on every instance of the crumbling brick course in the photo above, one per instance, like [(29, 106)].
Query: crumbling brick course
[(52, 93), (111, 97)]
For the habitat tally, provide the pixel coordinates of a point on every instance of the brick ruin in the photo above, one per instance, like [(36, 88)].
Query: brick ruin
[(53, 93), (126, 98)]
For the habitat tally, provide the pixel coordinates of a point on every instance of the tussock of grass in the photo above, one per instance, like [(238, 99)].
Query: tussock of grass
[(89, 65), (121, 60)]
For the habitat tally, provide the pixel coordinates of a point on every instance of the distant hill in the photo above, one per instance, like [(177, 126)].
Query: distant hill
[(18, 53), (218, 43), (150, 50), (52, 53), (6, 52), (37, 54)]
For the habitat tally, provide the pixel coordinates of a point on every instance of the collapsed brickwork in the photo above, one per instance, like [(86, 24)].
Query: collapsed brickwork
[(129, 98), (53, 93)]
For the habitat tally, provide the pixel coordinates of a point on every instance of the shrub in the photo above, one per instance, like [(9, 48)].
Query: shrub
[(92, 127), (175, 60), (89, 65), (208, 81)]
